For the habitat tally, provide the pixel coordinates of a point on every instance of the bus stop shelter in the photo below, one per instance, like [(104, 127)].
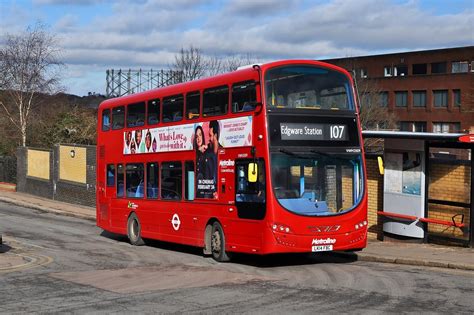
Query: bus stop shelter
[(428, 188)]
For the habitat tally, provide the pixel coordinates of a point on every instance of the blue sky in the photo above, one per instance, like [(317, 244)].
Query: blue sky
[(96, 35)]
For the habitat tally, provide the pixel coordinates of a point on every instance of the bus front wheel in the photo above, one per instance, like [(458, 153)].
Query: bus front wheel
[(218, 243), (134, 230)]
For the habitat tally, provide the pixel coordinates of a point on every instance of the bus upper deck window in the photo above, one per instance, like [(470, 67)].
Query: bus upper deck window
[(193, 102), (153, 112), (244, 96), (173, 108), (118, 117), (106, 120), (136, 115), (215, 101)]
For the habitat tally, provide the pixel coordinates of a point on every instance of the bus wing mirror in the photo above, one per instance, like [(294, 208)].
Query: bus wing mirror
[(381, 167), (252, 173)]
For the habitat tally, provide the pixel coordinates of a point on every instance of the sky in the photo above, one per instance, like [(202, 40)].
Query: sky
[(96, 35)]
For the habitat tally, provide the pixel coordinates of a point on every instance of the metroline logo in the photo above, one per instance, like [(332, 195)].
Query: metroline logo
[(323, 241), (225, 163)]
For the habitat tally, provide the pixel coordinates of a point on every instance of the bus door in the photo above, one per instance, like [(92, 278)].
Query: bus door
[(105, 191), (250, 194), (245, 230)]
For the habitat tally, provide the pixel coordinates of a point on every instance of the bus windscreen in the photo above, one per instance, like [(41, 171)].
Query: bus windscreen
[(307, 87)]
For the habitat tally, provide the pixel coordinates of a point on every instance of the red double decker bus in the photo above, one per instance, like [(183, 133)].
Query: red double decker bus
[(265, 159)]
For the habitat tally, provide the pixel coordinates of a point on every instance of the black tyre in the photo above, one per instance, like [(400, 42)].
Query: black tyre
[(134, 230), (218, 243)]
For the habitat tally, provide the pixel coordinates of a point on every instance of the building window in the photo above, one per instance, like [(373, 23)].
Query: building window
[(419, 68), (118, 117), (419, 98), (383, 99), (134, 180), (440, 98), (215, 101), (171, 180), (459, 66), (244, 96), (136, 115), (363, 73), (457, 97), (193, 105), (419, 126), (445, 127), (413, 126), (153, 112), (152, 175), (173, 108), (400, 70), (388, 71), (401, 98), (404, 125), (438, 67)]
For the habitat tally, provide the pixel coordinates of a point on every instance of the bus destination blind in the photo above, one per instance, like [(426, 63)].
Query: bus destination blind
[(307, 131)]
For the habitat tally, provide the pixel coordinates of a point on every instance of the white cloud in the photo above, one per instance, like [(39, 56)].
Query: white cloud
[(253, 8), (147, 33), (71, 2)]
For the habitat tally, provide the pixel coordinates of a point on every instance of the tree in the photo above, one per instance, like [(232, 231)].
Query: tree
[(29, 66), (190, 63), (193, 64), (69, 125), (373, 113)]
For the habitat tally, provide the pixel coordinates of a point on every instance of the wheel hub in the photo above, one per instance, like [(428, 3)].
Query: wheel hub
[(216, 242)]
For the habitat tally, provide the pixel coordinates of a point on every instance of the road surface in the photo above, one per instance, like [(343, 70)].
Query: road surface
[(53, 263)]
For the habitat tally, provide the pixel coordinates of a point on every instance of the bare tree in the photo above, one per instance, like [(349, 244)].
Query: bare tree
[(233, 62), (193, 64), (190, 63), (29, 65), (373, 113)]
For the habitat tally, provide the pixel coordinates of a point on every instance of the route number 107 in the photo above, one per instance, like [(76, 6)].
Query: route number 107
[(337, 132)]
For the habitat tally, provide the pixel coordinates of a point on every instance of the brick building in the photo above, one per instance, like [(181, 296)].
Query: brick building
[(429, 90)]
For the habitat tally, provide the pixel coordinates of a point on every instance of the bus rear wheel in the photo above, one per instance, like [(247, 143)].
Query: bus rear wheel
[(218, 243), (134, 230)]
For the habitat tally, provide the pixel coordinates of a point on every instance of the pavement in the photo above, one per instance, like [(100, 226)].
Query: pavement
[(428, 255)]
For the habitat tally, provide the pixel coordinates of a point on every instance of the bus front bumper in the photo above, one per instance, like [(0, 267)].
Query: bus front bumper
[(297, 243)]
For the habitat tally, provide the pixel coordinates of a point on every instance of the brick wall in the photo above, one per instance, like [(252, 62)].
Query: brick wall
[(56, 188), (73, 192), (375, 195), (449, 181), (347, 188), (32, 185)]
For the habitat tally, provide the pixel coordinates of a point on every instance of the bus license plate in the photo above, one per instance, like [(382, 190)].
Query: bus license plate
[(322, 248)]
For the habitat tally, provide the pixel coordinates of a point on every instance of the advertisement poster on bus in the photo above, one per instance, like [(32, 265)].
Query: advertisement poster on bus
[(206, 138), (209, 137), (234, 132)]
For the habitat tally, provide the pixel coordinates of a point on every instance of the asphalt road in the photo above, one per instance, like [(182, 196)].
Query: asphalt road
[(54, 263)]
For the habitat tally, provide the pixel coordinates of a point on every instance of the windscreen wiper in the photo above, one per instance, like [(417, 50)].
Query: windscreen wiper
[(340, 158), (295, 155)]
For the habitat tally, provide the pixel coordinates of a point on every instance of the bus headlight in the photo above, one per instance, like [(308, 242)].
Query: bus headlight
[(282, 228), (360, 225)]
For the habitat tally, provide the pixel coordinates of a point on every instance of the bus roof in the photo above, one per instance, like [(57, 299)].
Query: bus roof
[(241, 74)]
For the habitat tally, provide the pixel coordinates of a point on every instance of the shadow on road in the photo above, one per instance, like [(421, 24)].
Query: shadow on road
[(265, 261), (4, 248), (281, 260)]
